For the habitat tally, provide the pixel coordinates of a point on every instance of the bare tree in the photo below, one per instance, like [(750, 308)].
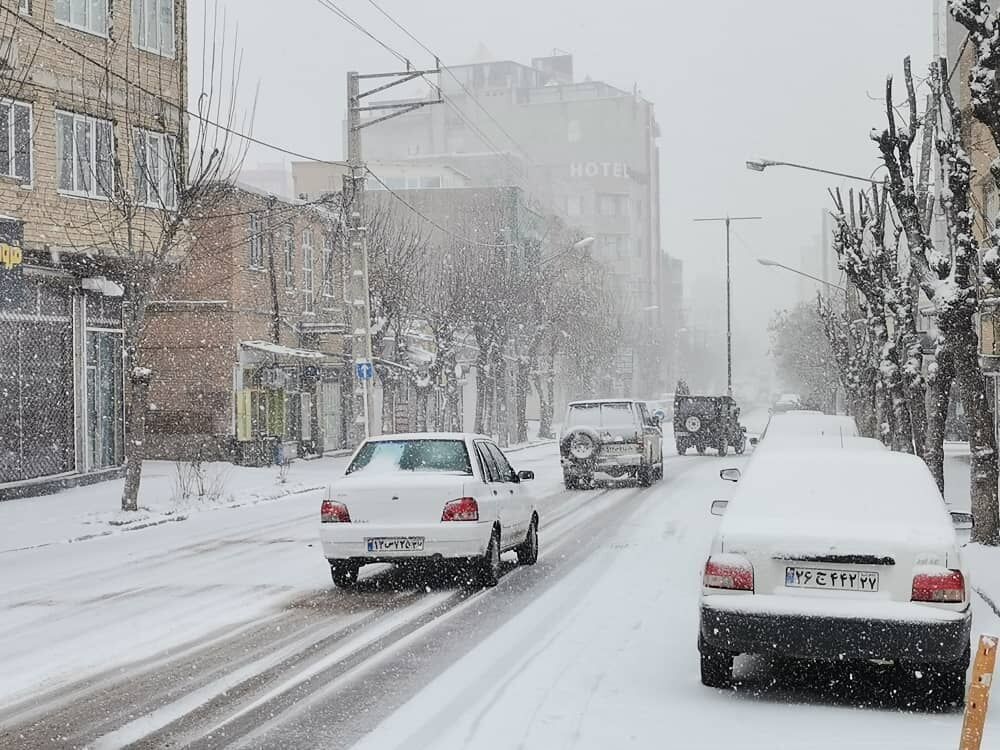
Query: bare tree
[(949, 282), (851, 346)]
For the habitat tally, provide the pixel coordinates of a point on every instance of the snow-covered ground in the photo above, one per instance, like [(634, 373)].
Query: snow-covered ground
[(224, 631)]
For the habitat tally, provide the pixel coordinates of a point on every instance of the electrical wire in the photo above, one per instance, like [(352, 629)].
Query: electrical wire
[(181, 108), (341, 13)]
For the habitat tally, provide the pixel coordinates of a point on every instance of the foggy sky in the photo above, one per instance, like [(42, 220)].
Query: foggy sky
[(731, 79)]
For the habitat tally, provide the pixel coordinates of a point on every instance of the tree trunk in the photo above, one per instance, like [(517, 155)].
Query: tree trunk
[(982, 442), (389, 396), (502, 415), (939, 394), (136, 402), (482, 389), (521, 394), (422, 395)]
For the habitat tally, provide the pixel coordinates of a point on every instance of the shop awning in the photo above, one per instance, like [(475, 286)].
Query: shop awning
[(283, 351)]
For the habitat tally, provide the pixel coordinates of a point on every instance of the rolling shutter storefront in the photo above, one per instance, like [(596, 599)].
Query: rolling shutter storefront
[(36, 378)]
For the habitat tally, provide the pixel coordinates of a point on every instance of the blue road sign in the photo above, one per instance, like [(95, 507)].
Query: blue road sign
[(364, 370)]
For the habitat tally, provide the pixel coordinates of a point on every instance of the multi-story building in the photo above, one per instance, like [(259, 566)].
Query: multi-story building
[(584, 151), (248, 340), (91, 106)]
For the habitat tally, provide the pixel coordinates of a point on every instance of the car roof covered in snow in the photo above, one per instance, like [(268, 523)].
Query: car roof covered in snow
[(429, 436), (810, 423), (782, 442), (860, 494), (594, 401)]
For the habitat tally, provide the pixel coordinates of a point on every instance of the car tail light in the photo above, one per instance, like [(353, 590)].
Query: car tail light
[(462, 509), (939, 586), (728, 572), (331, 512)]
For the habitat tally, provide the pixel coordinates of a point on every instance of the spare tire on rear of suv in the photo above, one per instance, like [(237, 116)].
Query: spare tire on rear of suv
[(581, 444)]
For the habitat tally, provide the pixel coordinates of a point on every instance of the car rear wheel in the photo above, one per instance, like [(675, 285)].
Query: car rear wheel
[(681, 448), (344, 573), (716, 666), (942, 685), (722, 447), (527, 553), (644, 476), (701, 449), (486, 572)]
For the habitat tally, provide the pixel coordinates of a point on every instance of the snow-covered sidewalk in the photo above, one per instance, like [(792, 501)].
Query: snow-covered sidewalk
[(168, 493)]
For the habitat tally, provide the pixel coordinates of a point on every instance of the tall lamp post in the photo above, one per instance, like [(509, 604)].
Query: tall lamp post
[(759, 165), (775, 264), (729, 296)]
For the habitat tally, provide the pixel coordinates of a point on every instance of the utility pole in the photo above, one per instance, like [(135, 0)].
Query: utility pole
[(354, 194), (729, 297)]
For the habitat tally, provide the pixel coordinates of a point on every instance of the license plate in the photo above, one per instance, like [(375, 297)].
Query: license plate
[(616, 449), (395, 544), (825, 578)]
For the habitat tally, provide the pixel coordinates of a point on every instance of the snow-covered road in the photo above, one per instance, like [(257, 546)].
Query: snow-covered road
[(224, 631)]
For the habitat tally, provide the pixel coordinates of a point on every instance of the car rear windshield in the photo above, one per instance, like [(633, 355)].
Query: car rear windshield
[(412, 455), (600, 415)]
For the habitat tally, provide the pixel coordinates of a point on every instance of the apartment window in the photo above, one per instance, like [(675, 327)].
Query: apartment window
[(85, 149), (307, 270), (15, 140), (156, 169), (573, 131), (574, 205), (24, 6), (328, 267), (607, 205), (86, 15), (289, 258), (153, 26), (430, 182), (256, 241)]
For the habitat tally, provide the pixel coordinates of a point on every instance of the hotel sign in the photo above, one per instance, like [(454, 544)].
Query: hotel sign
[(599, 169)]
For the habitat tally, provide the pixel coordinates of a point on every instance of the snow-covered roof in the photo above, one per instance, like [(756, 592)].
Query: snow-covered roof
[(809, 424), (285, 351), (431, 436), (781, 442), (603, 401), (832, 496)]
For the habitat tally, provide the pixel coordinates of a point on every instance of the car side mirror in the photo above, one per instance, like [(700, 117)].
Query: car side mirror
[(730, 475), (754, 441), (525, 475), (719, 507), (962, 521)]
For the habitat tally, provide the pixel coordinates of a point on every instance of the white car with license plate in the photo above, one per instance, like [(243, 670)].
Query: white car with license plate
[(838, 555), (429, 498)]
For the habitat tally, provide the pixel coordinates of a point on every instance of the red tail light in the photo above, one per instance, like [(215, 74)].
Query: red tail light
[(331, 512), (462, 509), (728, 572), (942, 586)]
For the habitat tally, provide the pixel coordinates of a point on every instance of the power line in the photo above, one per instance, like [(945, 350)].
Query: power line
[(179, 107), (333, 8), (468, 93), (431, 221)]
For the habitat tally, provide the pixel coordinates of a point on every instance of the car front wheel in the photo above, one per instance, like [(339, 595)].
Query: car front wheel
[(644, 476), (716, 666)]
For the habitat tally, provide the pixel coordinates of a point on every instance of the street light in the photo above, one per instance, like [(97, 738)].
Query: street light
[(775, 264), (584, 243), (729, 295), (760, 165)]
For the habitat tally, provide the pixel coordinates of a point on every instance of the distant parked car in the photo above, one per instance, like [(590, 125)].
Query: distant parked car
[(429, 498), (808, 424), (838, 556), (615, 437)]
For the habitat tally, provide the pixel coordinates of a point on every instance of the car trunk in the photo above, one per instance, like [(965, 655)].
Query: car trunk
[(839, 562), (399, 498)]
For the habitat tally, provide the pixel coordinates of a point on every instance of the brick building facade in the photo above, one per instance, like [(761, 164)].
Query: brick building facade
[(84, 85), (247, 342)]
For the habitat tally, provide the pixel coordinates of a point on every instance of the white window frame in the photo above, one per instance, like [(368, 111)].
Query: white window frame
[(328, 291), (140, 31), (10, 170), (308, 295), (24, 6), (256, 241), (93, 193), (86, 27), (289, 252), (163, 148)]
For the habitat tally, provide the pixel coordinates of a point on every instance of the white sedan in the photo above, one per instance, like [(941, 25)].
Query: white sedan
[(838, 556), (436, 498)]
